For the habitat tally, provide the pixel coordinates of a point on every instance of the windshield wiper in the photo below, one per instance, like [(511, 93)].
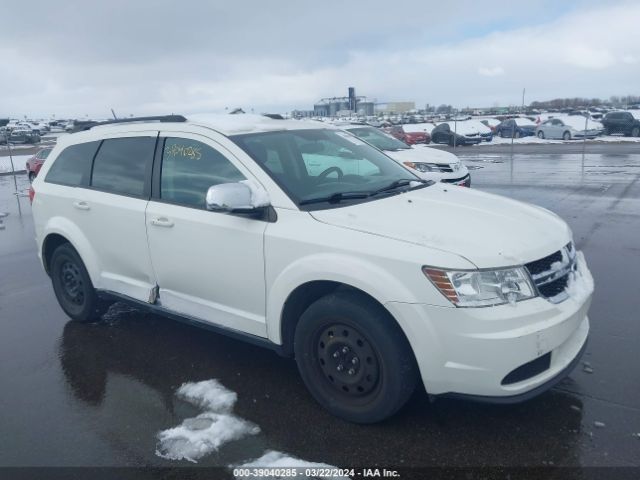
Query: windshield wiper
[(336, 197), (403, 182)]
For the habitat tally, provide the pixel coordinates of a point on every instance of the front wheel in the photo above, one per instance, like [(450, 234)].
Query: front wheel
[(72, 285), (541, 135), (32, 177), (635, 132), (566, 136), (354, 358)]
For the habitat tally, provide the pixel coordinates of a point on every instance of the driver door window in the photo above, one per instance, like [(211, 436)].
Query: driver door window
[(189, 168)]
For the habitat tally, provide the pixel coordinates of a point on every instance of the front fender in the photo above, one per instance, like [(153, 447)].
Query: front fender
[(357, 273)]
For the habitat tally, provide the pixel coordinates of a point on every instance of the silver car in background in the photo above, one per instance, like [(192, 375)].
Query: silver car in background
[(569, 128)]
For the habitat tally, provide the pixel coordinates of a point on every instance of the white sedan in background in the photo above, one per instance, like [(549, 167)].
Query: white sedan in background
[(576, 127), (427, 162)]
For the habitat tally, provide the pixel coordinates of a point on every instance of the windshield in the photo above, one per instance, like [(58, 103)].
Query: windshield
[(378, 139), (324, 168)]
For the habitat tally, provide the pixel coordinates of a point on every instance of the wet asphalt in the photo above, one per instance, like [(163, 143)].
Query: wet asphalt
[(97, 395)]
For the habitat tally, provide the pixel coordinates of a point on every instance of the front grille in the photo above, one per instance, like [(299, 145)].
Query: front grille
[(551, 274)]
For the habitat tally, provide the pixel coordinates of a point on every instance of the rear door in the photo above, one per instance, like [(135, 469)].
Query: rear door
[(111, 213), (208, 265)]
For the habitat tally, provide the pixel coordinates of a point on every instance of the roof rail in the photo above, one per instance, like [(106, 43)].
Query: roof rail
[(158, 118)]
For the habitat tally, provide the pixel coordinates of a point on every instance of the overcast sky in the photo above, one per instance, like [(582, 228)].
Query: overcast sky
[(73, 58)]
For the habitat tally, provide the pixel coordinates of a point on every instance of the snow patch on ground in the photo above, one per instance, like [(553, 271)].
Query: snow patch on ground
[(274, 459), (208, 395), (198, 436)]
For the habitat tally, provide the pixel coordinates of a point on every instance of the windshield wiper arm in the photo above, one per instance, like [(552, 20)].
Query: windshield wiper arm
[(335, 197), (403, 182)]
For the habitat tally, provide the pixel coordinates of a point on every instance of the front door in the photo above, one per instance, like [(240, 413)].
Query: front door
[(208, 265)]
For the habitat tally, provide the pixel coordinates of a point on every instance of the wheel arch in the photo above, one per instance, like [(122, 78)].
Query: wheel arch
[(59, 231), (301, 284)]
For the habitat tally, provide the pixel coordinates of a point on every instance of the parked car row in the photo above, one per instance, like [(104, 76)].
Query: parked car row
[(19, 135)]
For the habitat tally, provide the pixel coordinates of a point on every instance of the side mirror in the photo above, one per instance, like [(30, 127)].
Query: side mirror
[(241, 197)]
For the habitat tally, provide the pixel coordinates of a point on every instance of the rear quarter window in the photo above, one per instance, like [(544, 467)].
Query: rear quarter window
[(73, 165)]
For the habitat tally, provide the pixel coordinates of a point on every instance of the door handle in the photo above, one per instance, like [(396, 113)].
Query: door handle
[(81, 205), (162, 222)]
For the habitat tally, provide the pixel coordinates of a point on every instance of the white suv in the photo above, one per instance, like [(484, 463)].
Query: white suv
[(303, 238)]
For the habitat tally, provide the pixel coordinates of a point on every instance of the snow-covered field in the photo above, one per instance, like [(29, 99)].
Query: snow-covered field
[(18, 163)]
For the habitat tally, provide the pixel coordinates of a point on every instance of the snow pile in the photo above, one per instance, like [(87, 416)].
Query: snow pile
[(208, 395), (201, 435), (273, 459)]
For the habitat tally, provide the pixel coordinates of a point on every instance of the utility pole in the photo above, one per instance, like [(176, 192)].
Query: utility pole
[(523, 90)]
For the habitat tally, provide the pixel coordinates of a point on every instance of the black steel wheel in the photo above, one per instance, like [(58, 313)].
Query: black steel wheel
[(354, 358), (72, 285), (347, 359)]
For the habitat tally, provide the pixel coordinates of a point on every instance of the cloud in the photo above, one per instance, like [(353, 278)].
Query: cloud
[(491, 71), (78, 60)]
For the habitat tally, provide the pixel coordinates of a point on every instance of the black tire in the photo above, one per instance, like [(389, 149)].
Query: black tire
[(541, 134), (72, 286), (516, 135), (635, 132), (566, 135), (32, 177), (354, 358), (606, 131)]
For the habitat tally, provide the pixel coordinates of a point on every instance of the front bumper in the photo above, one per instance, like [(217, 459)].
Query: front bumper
[(470, 351)]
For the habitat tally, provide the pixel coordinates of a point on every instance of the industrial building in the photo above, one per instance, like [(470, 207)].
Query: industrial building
[(343, 106), (395, 107)]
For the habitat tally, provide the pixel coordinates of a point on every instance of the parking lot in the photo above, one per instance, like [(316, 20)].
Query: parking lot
[(103, 392)]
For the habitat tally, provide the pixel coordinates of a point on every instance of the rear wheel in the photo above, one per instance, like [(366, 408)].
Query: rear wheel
[(354, 358), (566, 135), (635, 132), (541, 134), (72, 285)]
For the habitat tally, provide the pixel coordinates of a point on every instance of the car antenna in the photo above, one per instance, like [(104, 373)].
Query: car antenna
[(114, 114)]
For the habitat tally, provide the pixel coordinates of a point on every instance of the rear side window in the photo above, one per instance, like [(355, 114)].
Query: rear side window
[(121, 165), (73, 166), (189, 168)]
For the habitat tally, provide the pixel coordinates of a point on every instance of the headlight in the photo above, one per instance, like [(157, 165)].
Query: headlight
[(482, 288), (422, 167)]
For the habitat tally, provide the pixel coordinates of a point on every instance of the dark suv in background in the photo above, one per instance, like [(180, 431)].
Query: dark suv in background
[(621, 122)]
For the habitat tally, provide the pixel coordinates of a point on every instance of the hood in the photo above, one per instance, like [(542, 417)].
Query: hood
[(422, 153), (488, 230)]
